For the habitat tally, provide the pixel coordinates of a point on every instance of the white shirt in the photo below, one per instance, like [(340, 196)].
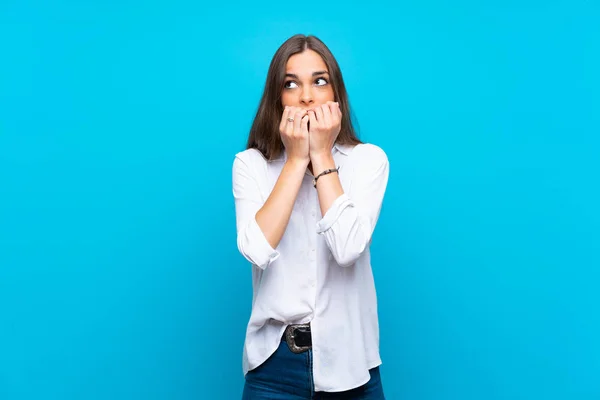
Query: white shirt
[(321, 269)]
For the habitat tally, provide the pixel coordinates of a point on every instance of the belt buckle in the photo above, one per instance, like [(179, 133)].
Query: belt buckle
[(289, 338)]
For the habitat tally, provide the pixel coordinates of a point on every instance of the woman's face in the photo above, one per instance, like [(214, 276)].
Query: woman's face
[(307, 83)]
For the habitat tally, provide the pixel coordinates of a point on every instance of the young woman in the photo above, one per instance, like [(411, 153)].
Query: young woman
[(307, 196)]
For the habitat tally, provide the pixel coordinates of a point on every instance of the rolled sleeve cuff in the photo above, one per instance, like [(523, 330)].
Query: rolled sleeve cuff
[(262, 254), (334, 212)]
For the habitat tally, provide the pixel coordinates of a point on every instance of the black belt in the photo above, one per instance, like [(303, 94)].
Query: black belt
[(298, 337)]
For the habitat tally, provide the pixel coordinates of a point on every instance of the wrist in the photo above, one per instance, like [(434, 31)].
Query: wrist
[(298, 163), (322, 161)]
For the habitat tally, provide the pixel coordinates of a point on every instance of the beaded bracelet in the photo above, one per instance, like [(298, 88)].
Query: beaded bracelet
[(327, 171)]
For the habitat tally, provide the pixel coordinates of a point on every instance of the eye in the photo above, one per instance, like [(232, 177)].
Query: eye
[(290, 85), (323, 80)]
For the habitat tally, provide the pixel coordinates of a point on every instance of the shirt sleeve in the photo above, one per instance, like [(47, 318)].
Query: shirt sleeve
[(251, 241), (349, 223)]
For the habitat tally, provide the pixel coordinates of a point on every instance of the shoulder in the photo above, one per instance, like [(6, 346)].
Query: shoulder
[(251, 158), (368, 153)]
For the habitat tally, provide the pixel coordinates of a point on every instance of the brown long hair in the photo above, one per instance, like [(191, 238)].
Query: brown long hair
[(264, 134)]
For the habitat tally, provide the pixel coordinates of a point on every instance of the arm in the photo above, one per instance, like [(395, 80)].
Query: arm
[(329, 186), (274, 216), (349, 219), (260, 226)]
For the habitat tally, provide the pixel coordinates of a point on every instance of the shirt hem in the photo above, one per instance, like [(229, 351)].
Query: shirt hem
[(271, 352), (371, 365)]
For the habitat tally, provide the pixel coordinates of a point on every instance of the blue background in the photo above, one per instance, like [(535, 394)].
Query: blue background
[(119, 272)]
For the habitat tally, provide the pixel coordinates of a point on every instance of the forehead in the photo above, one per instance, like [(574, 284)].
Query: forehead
[(305, 63)]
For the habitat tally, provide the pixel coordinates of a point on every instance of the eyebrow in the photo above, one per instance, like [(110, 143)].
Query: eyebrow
[(316, 73)]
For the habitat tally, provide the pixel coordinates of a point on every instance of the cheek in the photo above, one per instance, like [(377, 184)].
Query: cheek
[(326, 95), (287, 99)]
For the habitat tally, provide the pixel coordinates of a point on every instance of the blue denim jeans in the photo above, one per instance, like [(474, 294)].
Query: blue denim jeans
[(288, 376)]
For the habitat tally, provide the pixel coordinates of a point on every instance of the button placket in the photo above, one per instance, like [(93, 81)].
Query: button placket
[(314, 203)]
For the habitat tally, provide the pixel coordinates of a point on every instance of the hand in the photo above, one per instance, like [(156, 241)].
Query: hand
[(325, 125), (294, 135)]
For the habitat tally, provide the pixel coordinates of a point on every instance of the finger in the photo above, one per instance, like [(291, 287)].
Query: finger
[(289, 120), (283, 121), (312, 118), (304, 125), (336, 114), (319, 115), (327, 114), (298, 120)]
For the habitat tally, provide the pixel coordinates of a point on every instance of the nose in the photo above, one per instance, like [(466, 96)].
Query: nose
[(306, 97)]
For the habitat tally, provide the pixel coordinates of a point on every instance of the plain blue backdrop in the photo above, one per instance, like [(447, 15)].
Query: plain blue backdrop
[(119, 272)]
